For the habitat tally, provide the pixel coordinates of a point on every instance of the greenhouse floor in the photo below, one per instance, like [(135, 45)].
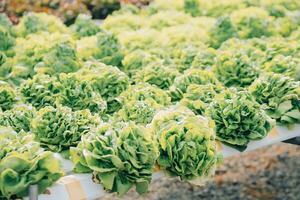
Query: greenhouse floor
[(270, 173)]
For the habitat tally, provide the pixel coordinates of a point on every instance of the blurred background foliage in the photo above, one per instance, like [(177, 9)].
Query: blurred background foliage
[(67, 10)]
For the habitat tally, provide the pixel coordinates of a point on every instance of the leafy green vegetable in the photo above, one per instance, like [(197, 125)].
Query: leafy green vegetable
[(252, 22), (286, 65), (186, 143), (78, 94), (52, 53), (153, 95), (239, 118), (6, 23), (198, 97), (121, 156), (138, 59), (140, 102), (7, 96), (235, 69), (221, 31), (60, 128), (24, 163), (191, 76), (157, 74), (138, 111), (38, 22), (106, 80), (7, 40), (18, 118), (40, 91), (84, 26), (62, 57), (279, 95), (184, 57)]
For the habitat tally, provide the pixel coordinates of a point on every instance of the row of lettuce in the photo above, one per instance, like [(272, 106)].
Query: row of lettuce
[(151, 89)]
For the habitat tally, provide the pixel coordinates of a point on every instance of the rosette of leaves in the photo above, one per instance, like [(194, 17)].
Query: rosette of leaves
[(221, 31), (62, 57), (84, 26), (204, 59), (8, 96), (235, 69), (38, 52), (18, 118), (40, 91), (6, 23), (138, 111), (104, 46), (60, 128), (252, 22), (157, 74), (254, 48), (239, 118), (152, 95), (198, 97), (286, 65), (106, 80), (140, 102), (168, 18), (191, 76), (185, 57), (108, 49), (23, 163), (39, 22), (279, 95), (137, 60), (192, 7), (120, 157), (78, 94), (186, 143), (7, 41)]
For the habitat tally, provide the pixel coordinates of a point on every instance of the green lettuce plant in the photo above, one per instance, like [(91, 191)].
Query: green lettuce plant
[(183, 57), (186, 143), (62, 57), (138, 59), (78, 94), (39, 22), (138, 111), (18, 118), (40, 91), (140, 102), (60, 128), (106, 80), (152, 95), (198, 97), (286, 65), (279, 95), (7, 41), (157, 74), (235, 69), (191, 76), (222, 30), (8, 96), (120, 156), (252, 22), (45, 52), (84, 26), (23, 163), (6, 23), (239, 118)]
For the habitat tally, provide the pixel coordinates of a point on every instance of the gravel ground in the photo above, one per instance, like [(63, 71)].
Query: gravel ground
[(271, 173)]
